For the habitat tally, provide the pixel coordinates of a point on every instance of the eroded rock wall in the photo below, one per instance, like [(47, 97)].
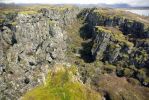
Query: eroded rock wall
[(28, 48), (128, 37)]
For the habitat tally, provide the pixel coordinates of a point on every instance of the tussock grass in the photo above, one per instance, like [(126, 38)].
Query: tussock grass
[(61, 84)]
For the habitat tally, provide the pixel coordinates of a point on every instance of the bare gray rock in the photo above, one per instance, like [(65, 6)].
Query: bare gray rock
[(40, 41)]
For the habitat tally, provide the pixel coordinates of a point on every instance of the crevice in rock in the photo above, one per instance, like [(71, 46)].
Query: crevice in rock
[(86, 53), (14, 41), (31, 63), (26, 80), (106, 96)]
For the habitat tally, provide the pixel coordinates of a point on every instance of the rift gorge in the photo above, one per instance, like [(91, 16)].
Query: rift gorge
[(72, 53)]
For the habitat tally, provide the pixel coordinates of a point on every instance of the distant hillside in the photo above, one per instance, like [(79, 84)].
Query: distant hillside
[(105, 5), (101, 5), (62, 52)]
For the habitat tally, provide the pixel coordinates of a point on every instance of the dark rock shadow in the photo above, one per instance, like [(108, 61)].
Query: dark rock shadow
[(86, 53), (86, 34)]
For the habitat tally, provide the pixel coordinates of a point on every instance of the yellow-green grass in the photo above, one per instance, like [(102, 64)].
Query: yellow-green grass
[(111, 13), (61, 84), (14, 23), (28, 12), (7, 10), (115, 33), (1, 20)]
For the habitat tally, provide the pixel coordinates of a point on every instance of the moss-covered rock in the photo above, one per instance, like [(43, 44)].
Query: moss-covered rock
[(127, 22), (62, 84), (109, 44), (28, 12), (128, 72)]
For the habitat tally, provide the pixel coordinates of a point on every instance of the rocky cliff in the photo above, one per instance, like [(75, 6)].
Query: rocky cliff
[(118, 39), (123, 29), (30, 43), (127, 23), (102, 44)]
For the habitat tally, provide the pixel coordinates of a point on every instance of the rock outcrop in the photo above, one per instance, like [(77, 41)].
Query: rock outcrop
[(120, 39), (114, 43), (110, 45), (121, 33), (114, 18), (29, 46), (65, 16)]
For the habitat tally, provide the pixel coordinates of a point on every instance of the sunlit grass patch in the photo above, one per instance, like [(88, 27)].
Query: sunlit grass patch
[(61, 84)]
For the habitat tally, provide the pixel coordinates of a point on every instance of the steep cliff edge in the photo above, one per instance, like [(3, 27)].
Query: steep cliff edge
[(118, 38), (116, 42), (109, 43), (107, 47), (31, 41)]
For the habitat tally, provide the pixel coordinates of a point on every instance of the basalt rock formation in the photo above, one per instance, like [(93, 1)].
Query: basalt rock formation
[(103, 44), (118, 39), (117, 32), (29, 43)]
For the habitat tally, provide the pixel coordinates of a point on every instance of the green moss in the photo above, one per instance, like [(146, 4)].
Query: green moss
[(146, 80), (61, 85), (14, 23), (141, 56), (110, 13), (128, 72), (109, 68), (141, 75), (98, 64), (118, 13), (52, 22), (100, 29), (115, 33), (6, 11), (113, 46), (28, 12), (1, 20)]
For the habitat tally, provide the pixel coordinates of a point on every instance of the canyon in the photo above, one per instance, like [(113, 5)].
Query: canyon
[(101, 52)]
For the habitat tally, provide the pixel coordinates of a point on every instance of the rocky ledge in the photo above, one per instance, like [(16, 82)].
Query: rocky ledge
[(31, 42), (103, 44)]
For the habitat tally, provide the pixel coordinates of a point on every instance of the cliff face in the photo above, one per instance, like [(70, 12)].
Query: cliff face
[(119, 39), (107, 17), (113, 47), (29, 45), (116, 36), (97, 41), (108, 47), (65, 16)]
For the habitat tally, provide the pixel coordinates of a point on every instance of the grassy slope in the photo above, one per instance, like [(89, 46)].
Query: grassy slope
[(122, 13), (119, 88), (115, 33), (61, 84)]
